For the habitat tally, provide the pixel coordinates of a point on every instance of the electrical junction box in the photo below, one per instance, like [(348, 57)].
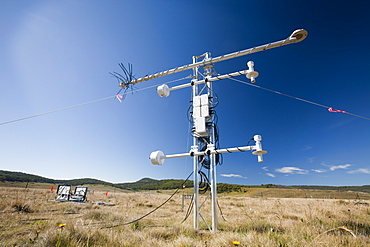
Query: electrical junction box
[(204, 111), (200, 113), (196, 101), (201, 106), (200, 126), (196, 112), (204, 104)]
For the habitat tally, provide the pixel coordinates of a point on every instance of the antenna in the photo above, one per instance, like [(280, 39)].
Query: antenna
[(205, 150)]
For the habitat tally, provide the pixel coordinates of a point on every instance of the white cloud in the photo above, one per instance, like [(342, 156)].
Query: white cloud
[(265, 168), (332, 168), (311, 159), (319, 170), (291, 170), (361, 170), (232, 176), (270, 175)]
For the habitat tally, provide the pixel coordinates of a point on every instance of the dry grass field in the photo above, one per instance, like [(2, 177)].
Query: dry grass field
[(31, 217)]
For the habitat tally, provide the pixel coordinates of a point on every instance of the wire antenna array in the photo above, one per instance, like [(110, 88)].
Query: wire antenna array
[(125, 79)]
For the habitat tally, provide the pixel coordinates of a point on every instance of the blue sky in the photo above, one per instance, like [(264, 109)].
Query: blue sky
[(57, 54)]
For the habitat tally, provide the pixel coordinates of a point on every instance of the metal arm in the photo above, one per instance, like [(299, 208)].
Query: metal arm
[(295, 37), (158, 157), (164, 90)]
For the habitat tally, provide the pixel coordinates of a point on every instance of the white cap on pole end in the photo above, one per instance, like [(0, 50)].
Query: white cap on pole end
[(298, 35), (163, 90), (157, 157)]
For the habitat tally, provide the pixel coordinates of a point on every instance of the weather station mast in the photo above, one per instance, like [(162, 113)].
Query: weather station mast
[(205, 150)]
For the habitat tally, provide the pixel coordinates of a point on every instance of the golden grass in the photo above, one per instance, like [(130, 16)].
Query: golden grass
[(31, 217)]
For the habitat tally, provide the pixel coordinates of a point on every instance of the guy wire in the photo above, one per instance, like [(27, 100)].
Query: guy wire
[(86, 103), (287, 95)]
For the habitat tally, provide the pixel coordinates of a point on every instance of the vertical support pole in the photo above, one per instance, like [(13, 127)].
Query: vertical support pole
[(213, 167), (196, 192), (210, 126), (195, 159), (213, 191), (211, 146)]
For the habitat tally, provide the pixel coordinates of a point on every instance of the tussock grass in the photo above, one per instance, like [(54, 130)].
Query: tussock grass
[(21, 207), (30, 217)]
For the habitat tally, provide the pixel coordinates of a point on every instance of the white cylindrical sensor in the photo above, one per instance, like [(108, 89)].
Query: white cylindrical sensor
[(163, 90), (157, 157)]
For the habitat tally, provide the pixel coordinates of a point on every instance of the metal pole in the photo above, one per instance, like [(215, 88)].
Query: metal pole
[(211, 146), (297, 36), (214, 193), (212, 164), (195, 159)]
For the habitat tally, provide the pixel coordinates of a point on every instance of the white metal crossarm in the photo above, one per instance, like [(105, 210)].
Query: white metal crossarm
[(210, 79), (158, 157), (297, 36), (209, 152), (164, 90)]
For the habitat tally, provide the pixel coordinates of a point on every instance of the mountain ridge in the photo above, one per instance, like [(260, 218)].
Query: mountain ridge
[(166, 184)]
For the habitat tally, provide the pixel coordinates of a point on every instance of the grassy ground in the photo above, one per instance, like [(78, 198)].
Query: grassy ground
[(31, 217)]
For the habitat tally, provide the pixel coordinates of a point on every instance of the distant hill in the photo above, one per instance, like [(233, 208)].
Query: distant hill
[(22, 177), (167, 184), (7, 176), (152, 184), (142, 184)]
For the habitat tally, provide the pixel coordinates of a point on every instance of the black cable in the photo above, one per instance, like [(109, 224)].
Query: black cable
[(205, 181), (189, 113), (250, 141), (142, 217), (189, 209), (204, 159), (219, 157), (202, 186)]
